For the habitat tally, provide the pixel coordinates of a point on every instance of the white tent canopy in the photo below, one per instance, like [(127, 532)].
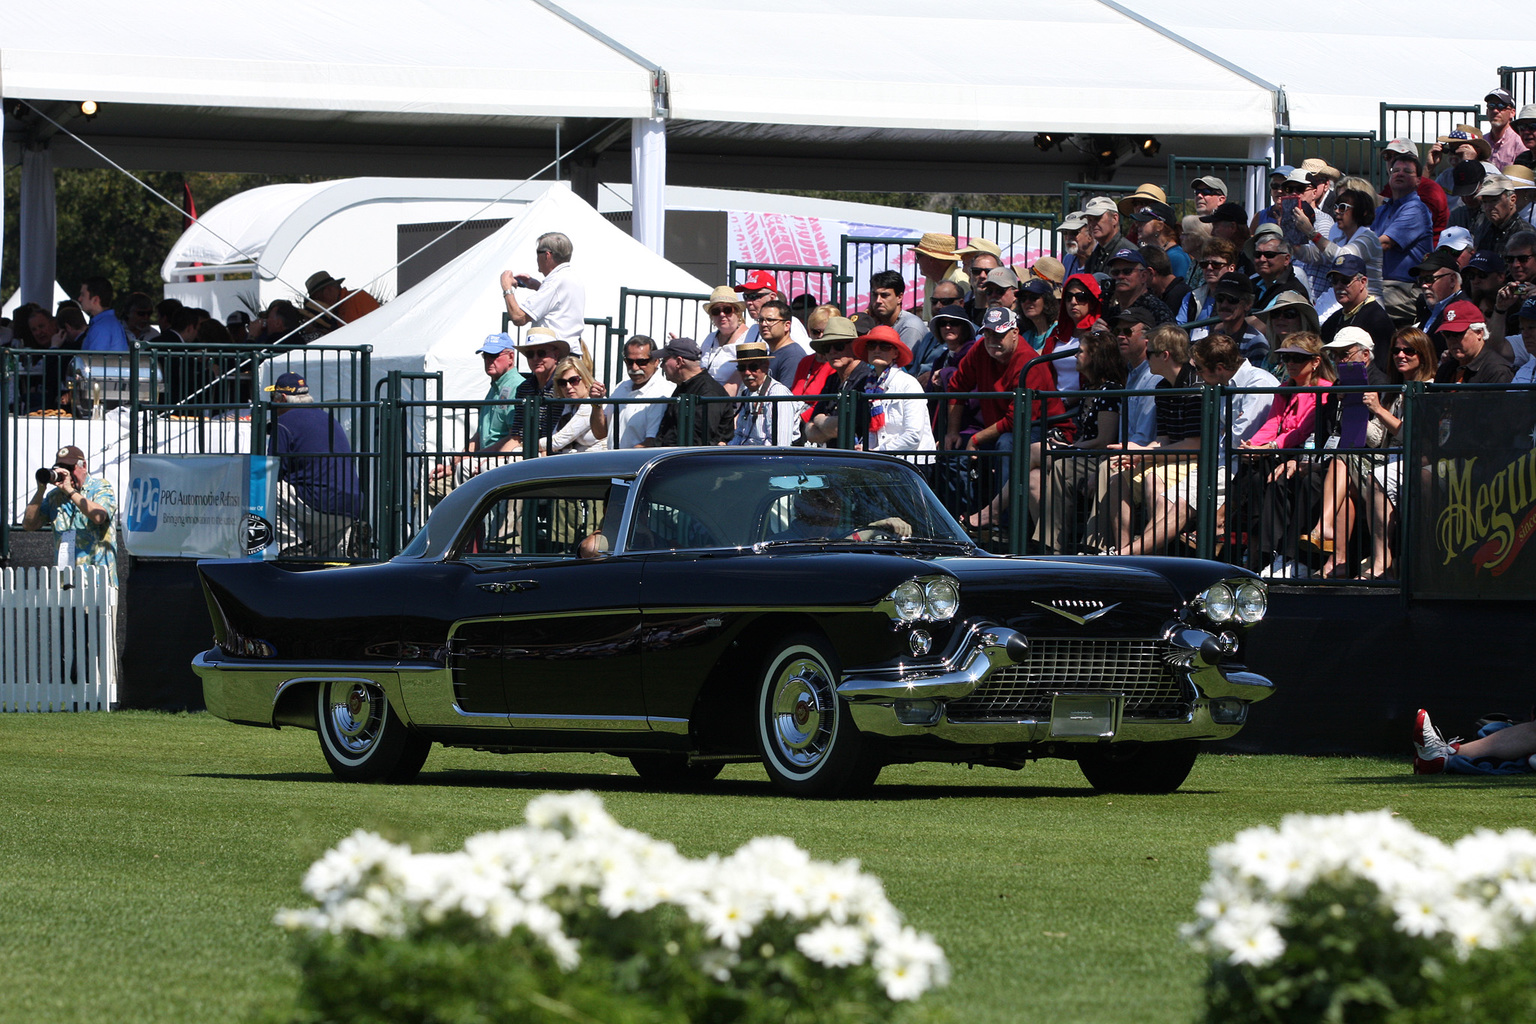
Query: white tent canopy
[(437, 325)]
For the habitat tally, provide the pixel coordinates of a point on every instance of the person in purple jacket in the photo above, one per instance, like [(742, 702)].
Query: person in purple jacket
[(318, 500)]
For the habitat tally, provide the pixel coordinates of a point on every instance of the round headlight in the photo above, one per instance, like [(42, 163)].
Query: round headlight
[(908, 599), (1252, 601), (943, 599), (1219, 603)]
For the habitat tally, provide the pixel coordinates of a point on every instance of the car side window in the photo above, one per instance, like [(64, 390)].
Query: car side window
[(544, 522)]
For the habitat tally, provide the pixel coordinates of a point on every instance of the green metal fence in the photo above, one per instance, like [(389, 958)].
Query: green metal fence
[(864, 256), (1018, 234), (1075, 193), (792, 280), (1352, 153), (1182, 170), (1424, 124), (1521, 84)]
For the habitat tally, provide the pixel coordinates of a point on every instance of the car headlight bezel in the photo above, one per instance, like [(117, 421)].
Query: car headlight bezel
[(930, 599), (1240, 602), (1218, 603), (1250, 594)]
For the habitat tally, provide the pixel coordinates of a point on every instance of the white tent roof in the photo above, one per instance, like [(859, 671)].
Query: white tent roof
[(438, 324)]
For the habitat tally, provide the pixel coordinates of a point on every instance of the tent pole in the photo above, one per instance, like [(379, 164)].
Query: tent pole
[(648, 141)]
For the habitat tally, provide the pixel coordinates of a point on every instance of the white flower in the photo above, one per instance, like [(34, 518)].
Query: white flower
[(834, 945), (728, 915), (908, 964), (1248, 935)]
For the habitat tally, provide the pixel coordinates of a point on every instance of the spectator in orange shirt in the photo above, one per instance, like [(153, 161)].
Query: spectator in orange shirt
[(333, 302)]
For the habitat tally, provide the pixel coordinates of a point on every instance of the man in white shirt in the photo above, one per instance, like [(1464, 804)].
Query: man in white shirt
[(559, 301), (633, 423)]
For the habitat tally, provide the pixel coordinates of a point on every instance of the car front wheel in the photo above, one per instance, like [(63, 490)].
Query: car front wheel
[(809, 743), (1138, 767), (362, 737)]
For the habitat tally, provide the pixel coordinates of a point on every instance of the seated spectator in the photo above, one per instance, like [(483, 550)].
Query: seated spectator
[(542, 350), (850, 376), (1165, 284), (759, 422), (1132, 285), (1272, 255), (1481, 277), (997, 365), (318, 498), (938, 262), (727, 313), (1267, 480), (1351, 286), (812, 372), (904, 426), (1075, 245), (1076, 315), (1167, 481), (1160, 228), (1287, 314), (1471, 360), (333, 304), (1500, 219), (1229, 223), (946, 295), (1350, 353), (1038, 310), (1354, 210), (1104, 229), (1404, 225), (682, 362), (286, 326), (1001, 289), (579, 427), (1218, 259), (1527, 372), (1439, 278), (887, 290), (1234, 301), (139, 318), (633, 423), (492, 437)]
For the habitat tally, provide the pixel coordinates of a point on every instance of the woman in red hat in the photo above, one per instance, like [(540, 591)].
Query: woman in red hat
[(905, 426)]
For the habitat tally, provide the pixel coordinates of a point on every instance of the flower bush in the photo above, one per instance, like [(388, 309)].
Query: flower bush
[(572, 917), (1360, 917)]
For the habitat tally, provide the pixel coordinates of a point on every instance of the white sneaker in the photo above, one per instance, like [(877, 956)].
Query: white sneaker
[(1286, 569), (1430, 749), (1273, 570)]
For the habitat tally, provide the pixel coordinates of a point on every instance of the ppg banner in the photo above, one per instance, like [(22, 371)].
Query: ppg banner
[(200, 506)]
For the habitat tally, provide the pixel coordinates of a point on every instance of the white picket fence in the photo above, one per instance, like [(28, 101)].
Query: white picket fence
[(58, 639)]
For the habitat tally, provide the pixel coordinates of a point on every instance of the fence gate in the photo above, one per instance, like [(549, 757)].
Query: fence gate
[(659, 314), (1520, 83), (58, 639)]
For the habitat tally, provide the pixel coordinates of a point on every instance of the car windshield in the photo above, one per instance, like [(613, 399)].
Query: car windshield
[(741, 501)]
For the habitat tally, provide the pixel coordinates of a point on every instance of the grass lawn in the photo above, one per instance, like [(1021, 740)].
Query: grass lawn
[(142, 856)]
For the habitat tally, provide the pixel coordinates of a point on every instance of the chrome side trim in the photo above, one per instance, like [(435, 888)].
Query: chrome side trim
[(880, 720), (601, 723), (986, 648)]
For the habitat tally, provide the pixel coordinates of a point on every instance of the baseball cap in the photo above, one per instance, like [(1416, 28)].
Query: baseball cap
[(1494, 185), (1404, 146), (1487, 261), (1227, 213), (1002, 277), (1456, 238), (1466, 177), (682, 348), (1075, 222), (999, 320), (1037, 286), (1136, 314), (1501, 96), (1283, 171), (1460, 315), (1528, 311), (1098, 206), (69, 455), (1440, 259), (1348, 337), (1128, 255), (1233, 284), (495, 344), (1209, 183), (289, 384), (239, 316), (1154, 210), (1347, 265), (758, 281)]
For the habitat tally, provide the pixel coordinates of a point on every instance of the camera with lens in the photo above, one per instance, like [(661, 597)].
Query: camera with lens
[(51, 475)]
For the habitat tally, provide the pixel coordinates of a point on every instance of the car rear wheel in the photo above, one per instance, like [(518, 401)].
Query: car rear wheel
[(362, 737), (1138, 767), (673, 770), (809, 742)]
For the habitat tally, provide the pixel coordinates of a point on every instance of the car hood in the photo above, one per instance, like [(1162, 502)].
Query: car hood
[(1047, 598)]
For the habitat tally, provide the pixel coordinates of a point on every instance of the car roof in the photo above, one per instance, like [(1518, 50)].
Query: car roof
[(622, 464)]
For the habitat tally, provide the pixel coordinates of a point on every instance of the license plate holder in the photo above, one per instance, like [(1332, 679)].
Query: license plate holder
[(1085, 715)]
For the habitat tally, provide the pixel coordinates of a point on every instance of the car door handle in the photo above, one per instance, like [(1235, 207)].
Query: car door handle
[(509, 586)]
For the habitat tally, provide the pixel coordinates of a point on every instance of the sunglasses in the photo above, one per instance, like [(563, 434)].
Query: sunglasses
[(1267, 255), (1512, 258), (569, 382), (1343, 206), (754, 296), (837, 346), (540, 353), (880, 344), (639, 362), (1214, 264), (1122, 271), (1404, 352), (1075, 297), (1293, 189), (946, 302), (722, 310), (1292, 357)]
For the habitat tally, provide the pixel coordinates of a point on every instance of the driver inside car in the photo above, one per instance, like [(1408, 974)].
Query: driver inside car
[(818, 515)]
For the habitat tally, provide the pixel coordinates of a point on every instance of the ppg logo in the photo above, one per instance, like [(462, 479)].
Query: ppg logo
[(143, 504)]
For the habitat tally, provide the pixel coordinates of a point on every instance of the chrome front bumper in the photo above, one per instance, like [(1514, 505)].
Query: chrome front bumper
[(913, 704)]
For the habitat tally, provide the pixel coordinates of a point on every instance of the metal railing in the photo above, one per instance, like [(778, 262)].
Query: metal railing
[(792, 280), (1520, 83), (863, 256), (1075, 193), (1233, 171), (1424, 124), (657, 315), (1021, 236), (1351, 153)]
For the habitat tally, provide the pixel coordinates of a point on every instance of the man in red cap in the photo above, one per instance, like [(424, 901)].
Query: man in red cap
[(80, 510), (1471, 360), (758, 288)]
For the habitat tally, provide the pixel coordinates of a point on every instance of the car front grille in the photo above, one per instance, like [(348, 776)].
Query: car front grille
[(1134, 668)]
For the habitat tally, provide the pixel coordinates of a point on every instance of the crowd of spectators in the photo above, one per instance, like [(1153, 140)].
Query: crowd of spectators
[(1330, 287)]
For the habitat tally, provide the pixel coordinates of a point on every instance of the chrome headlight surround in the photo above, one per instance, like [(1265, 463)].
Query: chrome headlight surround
[(925, 599), (1243, 601)]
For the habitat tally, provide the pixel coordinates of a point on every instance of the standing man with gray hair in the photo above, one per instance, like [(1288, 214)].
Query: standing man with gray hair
[(559, 300)]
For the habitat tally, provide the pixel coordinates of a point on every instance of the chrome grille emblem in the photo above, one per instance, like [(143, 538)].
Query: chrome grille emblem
[(1081, 620)]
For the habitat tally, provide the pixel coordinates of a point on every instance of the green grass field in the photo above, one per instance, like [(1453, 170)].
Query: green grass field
[(142, 857)]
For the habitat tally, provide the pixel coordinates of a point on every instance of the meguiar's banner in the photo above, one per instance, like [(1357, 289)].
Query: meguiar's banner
[(200, 506), (1475, 492)]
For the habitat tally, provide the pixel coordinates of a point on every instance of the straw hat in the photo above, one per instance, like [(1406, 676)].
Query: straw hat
[(940, 247)]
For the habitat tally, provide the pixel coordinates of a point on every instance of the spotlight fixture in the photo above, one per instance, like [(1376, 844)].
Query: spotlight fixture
[(1047, 141), (88, 109), (1148, 146)]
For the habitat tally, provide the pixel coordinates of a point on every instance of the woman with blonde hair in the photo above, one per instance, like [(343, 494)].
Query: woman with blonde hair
[(728, 314), (580, 426)]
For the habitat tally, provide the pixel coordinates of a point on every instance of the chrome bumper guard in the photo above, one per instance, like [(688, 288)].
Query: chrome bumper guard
[(912, 704)]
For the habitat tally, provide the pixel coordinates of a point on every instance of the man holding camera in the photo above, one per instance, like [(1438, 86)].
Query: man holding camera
[(80, 510)]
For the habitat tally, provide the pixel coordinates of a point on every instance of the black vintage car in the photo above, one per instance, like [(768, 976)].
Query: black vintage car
[(818, 611)]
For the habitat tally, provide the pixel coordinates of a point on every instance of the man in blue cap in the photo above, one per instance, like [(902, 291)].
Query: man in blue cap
[(318, 499), (499, 353), (1357, 308)]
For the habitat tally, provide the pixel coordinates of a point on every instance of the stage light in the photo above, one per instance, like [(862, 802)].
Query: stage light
[(88, 108), (1046, 141), (1148, 146)]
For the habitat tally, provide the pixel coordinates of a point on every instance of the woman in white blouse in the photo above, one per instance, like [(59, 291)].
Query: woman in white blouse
[(579, 427), (906, 427)]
